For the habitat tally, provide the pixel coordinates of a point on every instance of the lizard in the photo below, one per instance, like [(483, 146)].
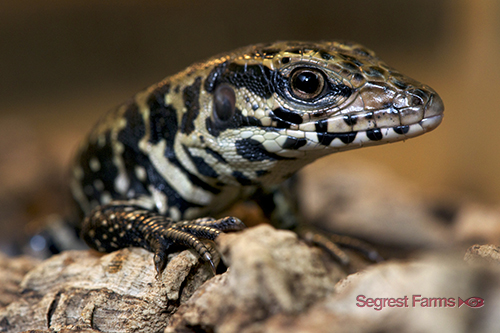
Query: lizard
[(152, 170)]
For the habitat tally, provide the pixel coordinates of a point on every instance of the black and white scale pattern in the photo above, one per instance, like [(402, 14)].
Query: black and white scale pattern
[(193, 144)]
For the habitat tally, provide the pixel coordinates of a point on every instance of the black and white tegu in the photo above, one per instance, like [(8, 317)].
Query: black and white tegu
[(188, 147)]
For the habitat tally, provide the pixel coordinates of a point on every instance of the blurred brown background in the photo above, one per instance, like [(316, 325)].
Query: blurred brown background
[(64, 63)]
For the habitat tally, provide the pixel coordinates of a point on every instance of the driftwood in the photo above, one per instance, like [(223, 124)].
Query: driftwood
[(277, 283), (12, 271), (117, 292), (271, 272)]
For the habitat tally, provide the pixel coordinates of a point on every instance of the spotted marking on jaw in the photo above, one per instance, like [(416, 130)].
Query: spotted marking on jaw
[(321, 126), (374, 134), (351, 119), (286, 116), (401, 129), (327, 138)]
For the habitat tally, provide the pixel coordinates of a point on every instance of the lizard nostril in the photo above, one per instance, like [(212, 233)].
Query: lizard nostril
[(415, 100), (418, 97), (434, 107)]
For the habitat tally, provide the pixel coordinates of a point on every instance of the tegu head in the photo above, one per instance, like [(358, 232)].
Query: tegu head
[(267, 110)]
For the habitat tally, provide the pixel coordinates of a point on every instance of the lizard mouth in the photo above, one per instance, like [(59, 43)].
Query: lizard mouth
[(433, 114), (353, 130), (430, 123)]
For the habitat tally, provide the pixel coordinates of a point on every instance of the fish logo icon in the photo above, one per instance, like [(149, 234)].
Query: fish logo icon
[(472, 302)]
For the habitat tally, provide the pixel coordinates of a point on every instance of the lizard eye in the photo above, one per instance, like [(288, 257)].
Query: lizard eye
[(224, 103), (307, 83)]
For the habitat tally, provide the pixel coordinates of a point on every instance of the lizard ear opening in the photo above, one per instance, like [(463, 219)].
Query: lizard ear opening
[(224, 103)]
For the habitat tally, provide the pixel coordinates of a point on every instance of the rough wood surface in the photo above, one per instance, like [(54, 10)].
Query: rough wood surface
[(276, 283), (117, 292), (12, 271), (483, 254), (271, 272)]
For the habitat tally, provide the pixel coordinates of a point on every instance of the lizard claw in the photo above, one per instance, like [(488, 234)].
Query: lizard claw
[(160, 261), (208, 258)]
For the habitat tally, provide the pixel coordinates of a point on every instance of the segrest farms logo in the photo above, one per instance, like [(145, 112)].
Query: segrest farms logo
[(417, 301)]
